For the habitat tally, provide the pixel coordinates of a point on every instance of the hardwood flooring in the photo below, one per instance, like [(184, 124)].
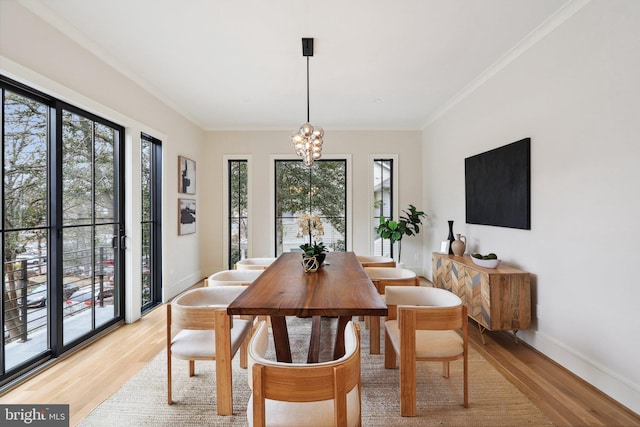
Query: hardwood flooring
[(89, 376)]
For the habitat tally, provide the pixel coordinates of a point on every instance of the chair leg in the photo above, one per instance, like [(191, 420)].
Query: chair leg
[(244, 348), (407, 386), (169, 398), (407, 364), (389, 353), (445, 369), (243, 352), (224, 386), (465, 382)]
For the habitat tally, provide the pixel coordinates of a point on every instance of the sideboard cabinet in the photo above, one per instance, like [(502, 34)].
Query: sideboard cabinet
[(496, 298)]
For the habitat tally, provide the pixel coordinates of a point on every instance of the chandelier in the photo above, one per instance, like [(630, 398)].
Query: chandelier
[(307, 141)]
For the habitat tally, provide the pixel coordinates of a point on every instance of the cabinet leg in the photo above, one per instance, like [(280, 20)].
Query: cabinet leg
[(482, 329)]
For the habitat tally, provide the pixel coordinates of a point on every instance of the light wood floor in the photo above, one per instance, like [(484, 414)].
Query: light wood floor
[(89, 376)]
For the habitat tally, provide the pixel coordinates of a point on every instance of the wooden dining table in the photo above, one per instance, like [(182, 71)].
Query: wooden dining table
[(340, 288)]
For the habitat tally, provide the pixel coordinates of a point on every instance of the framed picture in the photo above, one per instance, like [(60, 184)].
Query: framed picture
[(186, 216), (444, 247), (186, 175)]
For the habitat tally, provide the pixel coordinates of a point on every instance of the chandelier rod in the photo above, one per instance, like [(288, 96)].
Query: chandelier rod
[(307, 89)]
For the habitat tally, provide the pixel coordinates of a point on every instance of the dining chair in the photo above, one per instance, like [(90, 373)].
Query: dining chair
[(235, 278), (254, 263), (199, 328), (232, 278), (305, 395), (423, 325), (376, 261), (381, 278)]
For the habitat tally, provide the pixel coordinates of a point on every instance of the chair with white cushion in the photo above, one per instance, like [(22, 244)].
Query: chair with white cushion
[(381, 278), (254, 263), (232, 278), (376, 261), (325, 394), (425, 324), (199, 328)]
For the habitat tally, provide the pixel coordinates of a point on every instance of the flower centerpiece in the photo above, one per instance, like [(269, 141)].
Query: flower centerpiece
[(313, 253)]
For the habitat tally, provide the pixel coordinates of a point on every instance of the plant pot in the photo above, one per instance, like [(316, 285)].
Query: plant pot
[(311, 263)]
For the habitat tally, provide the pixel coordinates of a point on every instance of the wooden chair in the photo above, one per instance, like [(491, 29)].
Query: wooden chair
[(254, 263), (199, 328), (304, 395), (422, 327), (376, 261), (381, 278), (236, 278)]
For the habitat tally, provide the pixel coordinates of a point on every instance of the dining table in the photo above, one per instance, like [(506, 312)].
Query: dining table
[(339, 288)]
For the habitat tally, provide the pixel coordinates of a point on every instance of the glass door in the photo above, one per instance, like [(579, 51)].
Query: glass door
[(61, 228), (91, 234)]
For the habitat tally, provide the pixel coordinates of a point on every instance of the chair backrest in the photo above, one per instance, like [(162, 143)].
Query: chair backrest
[(383, 277), (433, 318), (296, 382), (376, 261), (196, 309), (254, 263), (232, 278), (418, 296)]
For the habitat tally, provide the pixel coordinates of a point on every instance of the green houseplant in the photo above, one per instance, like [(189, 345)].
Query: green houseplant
[(407, 225)]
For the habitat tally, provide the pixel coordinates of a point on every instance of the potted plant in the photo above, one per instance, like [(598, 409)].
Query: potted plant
[(313, 253), (407, 225)]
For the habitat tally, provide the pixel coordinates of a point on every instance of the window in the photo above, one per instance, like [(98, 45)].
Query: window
[(317, 190), (382, 202), (238, 210), (62, 212), (150, 221)]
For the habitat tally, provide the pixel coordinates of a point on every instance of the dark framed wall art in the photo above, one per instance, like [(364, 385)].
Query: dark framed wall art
[(186, 216), (186, 175)]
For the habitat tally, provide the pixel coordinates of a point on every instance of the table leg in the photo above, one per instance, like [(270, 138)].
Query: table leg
[(314, 343), (374, 334), (338, 349), (281, 338)]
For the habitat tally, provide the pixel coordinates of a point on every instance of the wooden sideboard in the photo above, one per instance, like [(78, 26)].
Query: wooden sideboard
[(497, 298)]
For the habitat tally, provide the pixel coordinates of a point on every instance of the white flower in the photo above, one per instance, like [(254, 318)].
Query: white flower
[(311, 226)]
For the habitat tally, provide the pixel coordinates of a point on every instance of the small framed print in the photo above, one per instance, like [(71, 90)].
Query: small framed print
[(444, 247), (186, 175), (186, 216)]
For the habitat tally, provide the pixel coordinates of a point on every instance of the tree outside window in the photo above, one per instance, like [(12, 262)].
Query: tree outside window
[(318, 190)]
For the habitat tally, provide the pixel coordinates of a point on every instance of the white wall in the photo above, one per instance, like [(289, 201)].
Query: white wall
[(575, 93), (264, 145), (40, 56)]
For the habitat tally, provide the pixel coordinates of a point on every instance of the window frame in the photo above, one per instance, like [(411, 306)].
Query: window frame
[(156, 221), (394, 194), (227, 212), (348, 235)]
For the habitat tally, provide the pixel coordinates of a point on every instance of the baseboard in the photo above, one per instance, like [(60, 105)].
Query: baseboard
[(182, 285), (601, 377)]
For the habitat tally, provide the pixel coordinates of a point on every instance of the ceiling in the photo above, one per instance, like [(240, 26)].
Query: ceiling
[(238, 65)]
